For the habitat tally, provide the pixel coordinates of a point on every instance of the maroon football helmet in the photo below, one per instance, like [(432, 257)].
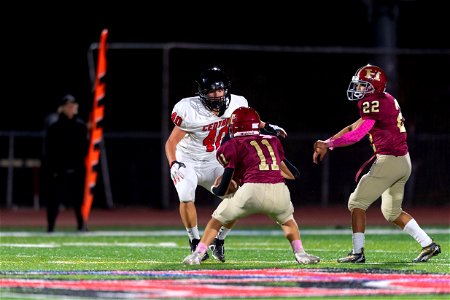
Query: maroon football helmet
[(244, 121), (367, 80)]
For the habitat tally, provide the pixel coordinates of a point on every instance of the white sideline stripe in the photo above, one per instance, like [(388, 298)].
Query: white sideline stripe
[(237, 232), (54, 245)]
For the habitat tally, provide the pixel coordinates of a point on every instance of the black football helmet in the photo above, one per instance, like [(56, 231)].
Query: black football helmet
[(209, 81)]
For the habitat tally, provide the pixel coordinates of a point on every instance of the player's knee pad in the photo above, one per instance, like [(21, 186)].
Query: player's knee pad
[(391, 214), (354, 203), (186, 201), (184, 195)]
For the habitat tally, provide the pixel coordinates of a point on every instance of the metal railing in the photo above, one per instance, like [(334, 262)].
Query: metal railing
[(387, 54), (134, 180)]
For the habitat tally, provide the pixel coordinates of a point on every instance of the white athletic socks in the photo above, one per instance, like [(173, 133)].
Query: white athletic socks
[(414, 230), (222, 233), (193, 233), (358, 239)]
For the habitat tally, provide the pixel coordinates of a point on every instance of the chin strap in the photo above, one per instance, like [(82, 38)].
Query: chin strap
[(221, 111)]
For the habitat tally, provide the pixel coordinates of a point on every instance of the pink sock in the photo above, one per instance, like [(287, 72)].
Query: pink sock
[(297, 246), (201, 248)]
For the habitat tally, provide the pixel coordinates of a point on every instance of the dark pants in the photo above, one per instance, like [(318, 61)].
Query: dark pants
[(65, 188)]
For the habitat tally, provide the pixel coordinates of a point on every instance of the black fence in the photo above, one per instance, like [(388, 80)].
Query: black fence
[(134, 171), (302, 89)]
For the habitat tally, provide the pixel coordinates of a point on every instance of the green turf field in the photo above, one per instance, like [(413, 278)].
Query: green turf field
[(102, 249)]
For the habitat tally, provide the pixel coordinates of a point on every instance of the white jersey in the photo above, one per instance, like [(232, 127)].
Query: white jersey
[(204, 129)]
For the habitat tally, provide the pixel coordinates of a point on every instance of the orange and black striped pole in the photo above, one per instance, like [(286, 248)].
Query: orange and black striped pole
[(96, 129)]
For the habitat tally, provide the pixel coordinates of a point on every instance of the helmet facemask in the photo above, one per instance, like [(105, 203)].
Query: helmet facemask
[(212, 80), (215, 104), (358, 89), (368, 80)]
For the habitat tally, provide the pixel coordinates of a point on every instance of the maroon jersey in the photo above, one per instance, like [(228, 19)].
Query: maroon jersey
[(388, 134), (255, 158)]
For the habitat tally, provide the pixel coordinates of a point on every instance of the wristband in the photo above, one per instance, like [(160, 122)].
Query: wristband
[(330, 143), (177, 162)]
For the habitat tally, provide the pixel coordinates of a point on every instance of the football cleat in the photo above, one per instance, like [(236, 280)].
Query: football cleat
[(428, 252), (194, 258), (353, 257), (193, 244), (305, 258), (218, 250)]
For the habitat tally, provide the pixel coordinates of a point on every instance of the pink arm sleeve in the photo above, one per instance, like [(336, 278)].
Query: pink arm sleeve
[(352, 136)]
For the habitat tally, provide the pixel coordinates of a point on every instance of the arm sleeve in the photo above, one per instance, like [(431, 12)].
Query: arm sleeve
[(352, 136), (292, 168), (275, 130), (223, 186)]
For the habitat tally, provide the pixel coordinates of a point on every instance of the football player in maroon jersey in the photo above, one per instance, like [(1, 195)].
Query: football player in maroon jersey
[(382, 119), (257, 163)]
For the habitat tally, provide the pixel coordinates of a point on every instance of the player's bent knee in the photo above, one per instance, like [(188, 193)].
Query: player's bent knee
[(353, 204), (391, 215), (186, 195), (187, 201)]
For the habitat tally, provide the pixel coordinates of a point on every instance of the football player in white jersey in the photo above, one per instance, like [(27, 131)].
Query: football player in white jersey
[(201, 124)]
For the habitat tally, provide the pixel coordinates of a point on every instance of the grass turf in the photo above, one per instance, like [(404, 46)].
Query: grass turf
[(69, 255)]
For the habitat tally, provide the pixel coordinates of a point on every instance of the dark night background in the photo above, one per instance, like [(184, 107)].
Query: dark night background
[(45, 51)]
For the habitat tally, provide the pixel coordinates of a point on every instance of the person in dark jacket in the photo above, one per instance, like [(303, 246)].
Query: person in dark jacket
[(65, 149)]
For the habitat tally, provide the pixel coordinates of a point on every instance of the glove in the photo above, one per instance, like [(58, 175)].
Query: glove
[(274, 130), (176, 172)]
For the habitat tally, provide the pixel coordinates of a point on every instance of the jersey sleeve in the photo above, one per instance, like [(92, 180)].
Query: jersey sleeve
[(226, 155), (236, 102), (180, 115)]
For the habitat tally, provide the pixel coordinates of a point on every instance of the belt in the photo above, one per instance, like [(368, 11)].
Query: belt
[(363, 166)]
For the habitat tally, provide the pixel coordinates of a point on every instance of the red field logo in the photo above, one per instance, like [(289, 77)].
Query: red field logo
[(229, 284)]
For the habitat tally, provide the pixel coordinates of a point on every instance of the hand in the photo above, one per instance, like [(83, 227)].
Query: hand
[(320, 150), (175, 171), (275, 130)]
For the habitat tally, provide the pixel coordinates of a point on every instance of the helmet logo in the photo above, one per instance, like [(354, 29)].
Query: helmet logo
[(372, 75), (244, 121)]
